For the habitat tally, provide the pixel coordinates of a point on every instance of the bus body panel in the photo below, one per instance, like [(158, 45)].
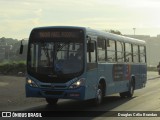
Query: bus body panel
[(106, 71), (91, 84)]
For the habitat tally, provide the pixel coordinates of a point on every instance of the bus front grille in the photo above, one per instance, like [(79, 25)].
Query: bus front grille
[(53, 92), (55, 86)]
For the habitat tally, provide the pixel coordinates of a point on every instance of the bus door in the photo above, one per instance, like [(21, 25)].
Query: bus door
[(91, 70)]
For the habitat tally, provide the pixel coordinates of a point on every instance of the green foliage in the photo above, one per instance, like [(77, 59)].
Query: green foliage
[(12, 54), (115, 32), (11, 62), (13, 68), (8, 41)]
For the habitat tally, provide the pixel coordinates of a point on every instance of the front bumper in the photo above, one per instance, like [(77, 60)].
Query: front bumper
[(77, 93)]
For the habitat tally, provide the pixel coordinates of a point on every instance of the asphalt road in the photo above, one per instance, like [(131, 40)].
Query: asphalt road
[(12, 98)]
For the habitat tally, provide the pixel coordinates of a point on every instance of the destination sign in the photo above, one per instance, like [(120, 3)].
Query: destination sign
[(59, 34)]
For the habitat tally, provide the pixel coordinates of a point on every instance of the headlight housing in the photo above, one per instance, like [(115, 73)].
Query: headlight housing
[(78, 83), (31, 82)]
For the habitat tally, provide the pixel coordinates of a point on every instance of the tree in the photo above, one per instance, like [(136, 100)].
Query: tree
[(114, 32)]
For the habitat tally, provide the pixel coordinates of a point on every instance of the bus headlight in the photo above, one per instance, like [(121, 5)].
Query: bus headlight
[(77, 84), (31, 83)]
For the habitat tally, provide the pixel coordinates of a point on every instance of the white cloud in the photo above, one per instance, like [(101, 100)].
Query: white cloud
[(38, 12), (18, 17)]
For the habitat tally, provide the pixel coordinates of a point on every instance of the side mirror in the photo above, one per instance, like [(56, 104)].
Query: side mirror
[(21, 48), (90, 47)]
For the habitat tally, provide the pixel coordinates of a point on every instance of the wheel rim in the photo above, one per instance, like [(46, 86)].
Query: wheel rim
[(99, 96), (132, 89)]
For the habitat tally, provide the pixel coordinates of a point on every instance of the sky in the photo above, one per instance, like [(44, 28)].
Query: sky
[(19, 17)]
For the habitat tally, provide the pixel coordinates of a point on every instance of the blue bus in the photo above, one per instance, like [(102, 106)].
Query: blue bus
[(69, 62)]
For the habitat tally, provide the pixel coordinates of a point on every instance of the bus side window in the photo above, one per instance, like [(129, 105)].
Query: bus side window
[(135, 54), (142, 54), (101, 50), (111, 51), (120, 51), (128, 52), (91, 54)]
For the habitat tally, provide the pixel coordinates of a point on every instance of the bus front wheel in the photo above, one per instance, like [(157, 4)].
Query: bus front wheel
[(52, 101), (99, 95)]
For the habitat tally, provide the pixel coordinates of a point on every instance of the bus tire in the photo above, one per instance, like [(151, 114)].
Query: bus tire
[(130, 92), (52, 101), (123, 94), (99, 95)]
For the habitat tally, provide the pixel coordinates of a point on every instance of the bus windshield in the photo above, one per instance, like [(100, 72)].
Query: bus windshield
[(56, 58)]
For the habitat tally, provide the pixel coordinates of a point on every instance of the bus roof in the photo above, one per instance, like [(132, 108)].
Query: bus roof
[(106, 35), (60, 27), (115, 37)]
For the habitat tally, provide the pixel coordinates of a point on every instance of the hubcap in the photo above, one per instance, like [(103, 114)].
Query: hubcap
[(99, 96), (132, 89)]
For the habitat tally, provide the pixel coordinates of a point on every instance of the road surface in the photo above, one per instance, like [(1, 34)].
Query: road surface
[(12, 98)]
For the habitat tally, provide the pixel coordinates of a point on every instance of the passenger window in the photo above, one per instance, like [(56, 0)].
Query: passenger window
[(111, 51), (128, 52), (101, 50), (142, 54), (120, 52), (135, 54), (91, 56)]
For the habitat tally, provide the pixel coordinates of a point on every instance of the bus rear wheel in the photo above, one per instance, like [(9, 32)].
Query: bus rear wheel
[(131, 89), (52, 101), (130, 92)]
